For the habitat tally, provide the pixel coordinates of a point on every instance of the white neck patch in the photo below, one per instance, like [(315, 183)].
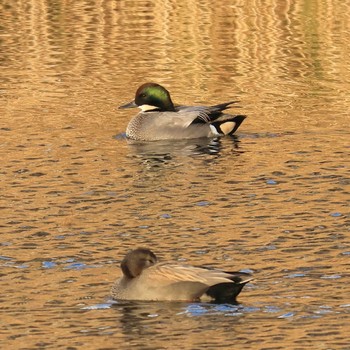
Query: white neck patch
[(145, 108)]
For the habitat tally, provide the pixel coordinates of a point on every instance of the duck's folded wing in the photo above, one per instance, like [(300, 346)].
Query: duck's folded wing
[(205, 113), (174, 125), (177, 282), (168, 273), (179, 120), (201, 116)]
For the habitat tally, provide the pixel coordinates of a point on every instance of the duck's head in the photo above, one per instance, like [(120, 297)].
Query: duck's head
[(136, 261), (151, 96)]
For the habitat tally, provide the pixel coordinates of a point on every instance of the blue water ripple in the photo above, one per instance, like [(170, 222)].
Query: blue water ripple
[(271, 182), (98, 306), (287, 315), (48, 264)]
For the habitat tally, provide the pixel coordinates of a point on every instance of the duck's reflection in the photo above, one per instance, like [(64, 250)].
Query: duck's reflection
[(144, 318), (164, 151)]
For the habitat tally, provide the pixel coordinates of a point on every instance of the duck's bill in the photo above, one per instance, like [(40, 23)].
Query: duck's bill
[(131, 104)]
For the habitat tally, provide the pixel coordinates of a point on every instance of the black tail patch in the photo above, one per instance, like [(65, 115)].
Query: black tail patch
[(228, 127), (228, 292)]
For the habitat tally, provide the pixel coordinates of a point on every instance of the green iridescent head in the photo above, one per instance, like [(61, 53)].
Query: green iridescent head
[(151, 96)]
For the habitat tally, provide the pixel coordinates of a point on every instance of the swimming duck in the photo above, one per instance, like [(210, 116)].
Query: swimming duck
[(144, 278), (160, 119)]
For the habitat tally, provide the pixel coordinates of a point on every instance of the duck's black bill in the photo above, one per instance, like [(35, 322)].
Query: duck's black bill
[(131, 104)]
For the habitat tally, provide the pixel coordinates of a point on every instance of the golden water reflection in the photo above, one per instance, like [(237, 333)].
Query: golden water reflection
[(75, 195)]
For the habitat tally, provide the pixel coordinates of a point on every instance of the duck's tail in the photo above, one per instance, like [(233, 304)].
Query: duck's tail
[(223, 106), (228, 292), (228, 125)]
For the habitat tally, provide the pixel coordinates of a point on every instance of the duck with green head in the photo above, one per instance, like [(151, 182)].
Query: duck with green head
[(160, 119)]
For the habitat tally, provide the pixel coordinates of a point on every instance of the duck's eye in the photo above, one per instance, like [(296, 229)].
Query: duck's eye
[(143, 95)]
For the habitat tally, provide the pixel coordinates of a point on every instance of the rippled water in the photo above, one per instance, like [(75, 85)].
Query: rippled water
[(76, 196)]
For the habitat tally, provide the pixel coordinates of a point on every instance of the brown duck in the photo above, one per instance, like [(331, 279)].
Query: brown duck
[(144, 278)]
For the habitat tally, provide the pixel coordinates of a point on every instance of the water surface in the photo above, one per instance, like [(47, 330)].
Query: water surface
[(76, 196)]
